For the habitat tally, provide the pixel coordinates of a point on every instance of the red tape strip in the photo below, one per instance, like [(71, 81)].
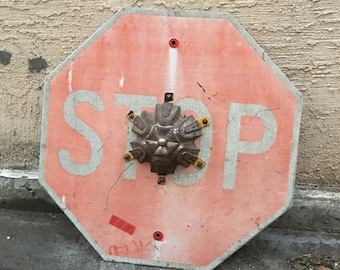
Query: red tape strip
[(122, 225)]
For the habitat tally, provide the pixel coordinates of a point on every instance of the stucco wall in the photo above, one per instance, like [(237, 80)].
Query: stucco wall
[(301, 36)]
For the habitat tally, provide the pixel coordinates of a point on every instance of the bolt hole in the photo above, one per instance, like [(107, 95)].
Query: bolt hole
[(158, 236), (173, 43)]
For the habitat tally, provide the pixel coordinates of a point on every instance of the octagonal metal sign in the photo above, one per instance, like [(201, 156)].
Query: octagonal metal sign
[(245, 156)]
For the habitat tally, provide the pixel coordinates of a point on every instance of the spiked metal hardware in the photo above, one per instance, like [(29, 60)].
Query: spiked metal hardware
[(165, 139)]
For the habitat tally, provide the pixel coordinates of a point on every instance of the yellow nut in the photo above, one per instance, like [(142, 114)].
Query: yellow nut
[(203, 121)]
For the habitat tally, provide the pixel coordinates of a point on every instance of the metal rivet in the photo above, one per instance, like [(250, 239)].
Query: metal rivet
[(173, 43), (158, 236), (162, 142)]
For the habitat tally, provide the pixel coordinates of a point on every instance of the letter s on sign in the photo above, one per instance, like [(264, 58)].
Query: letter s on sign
[(85, 130)]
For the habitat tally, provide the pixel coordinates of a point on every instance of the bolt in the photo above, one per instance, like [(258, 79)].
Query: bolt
[(199, 164), (161, 180), (127, 157), (205, 121), (131, 114), (162, 142), (168, 97)]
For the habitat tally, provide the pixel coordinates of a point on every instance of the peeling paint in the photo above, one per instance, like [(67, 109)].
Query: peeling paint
[(172, 69), (157, 250), (69, 79), (121, 81)]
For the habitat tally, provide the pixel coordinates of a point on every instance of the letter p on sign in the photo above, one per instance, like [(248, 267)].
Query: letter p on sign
[(236, 146), (250, 146)]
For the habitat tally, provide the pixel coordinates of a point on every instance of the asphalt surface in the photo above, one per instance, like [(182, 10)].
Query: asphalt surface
[(35, 234), (43, 240)]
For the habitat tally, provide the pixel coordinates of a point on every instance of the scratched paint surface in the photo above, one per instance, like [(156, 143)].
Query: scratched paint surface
[(213, 64)]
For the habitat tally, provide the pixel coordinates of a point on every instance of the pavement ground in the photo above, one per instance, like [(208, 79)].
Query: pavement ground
[(36, 234)]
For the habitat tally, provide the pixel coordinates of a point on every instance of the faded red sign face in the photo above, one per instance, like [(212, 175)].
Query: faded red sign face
[(214, 69)]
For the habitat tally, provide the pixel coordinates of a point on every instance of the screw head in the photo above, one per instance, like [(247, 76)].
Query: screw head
[(162, 142), (130, 114), (168, 97), (161, 180)]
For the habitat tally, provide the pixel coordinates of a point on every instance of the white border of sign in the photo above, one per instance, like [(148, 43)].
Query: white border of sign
[(259, 51)]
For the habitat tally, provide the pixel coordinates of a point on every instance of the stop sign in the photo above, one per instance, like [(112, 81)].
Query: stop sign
[(215, 70)]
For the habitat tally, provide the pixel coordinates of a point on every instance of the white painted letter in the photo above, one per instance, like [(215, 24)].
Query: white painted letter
[(234, 146), (195, 176), (90, 135)]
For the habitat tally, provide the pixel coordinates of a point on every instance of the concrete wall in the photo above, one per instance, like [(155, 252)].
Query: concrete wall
[(301, 36)]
